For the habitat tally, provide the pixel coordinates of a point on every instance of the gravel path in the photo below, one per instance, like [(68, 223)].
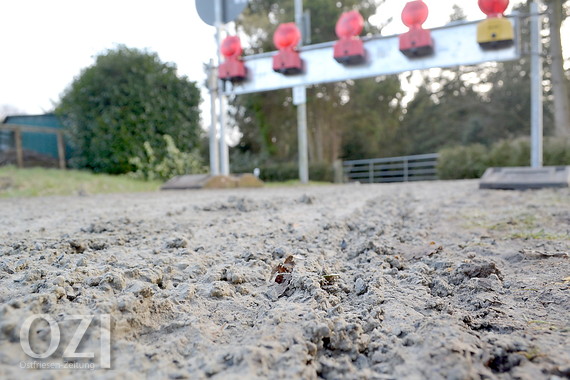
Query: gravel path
[(436, 280)]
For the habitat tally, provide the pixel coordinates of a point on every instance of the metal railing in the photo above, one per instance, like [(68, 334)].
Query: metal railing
[(420, 167)]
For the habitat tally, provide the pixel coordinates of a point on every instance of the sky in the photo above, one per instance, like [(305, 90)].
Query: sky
[(46, 44)]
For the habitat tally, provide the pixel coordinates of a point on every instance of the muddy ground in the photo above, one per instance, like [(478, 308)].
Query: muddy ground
[(435, 280)]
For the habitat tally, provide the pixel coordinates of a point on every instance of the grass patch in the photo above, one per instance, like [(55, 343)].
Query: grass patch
[(39, 182), (539, 235), (525, 226), (523, 221)]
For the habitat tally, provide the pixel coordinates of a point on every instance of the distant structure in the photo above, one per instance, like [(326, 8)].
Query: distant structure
[(37, 135)]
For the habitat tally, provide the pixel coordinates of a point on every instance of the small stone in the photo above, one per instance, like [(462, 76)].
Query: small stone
[(360, 286), (70, 293), (142, 290), (307, 199), (33, 275), (21, 265), (4, 267), (441, 288), (59, 292), (78, 245), (234, 276), (279, 253), (220, 290), (115, 280), (177, 242), (81, 262)]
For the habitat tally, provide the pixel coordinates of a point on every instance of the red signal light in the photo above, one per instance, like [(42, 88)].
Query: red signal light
[(287, 61), (231, 47), (350, 24), (287, 36), (415, 13), (349, 49), (417, 42), (493, 8), (232, 69)]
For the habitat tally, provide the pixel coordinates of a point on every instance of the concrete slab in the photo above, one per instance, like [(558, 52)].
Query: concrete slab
[(523, 178), (183, 182), (206, 181)]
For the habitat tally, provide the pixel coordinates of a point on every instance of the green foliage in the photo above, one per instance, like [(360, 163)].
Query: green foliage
[(462, 162), (335, 112), (366, 118), (173, 163), (290, 171), (471, 161), (126, 98), (279, 172)]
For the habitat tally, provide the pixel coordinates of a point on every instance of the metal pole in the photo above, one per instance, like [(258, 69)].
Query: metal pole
[(536, 73), (212, 85), (224, 156), (302, 111)]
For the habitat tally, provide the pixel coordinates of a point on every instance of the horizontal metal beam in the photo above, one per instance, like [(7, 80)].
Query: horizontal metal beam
[(455, 44)]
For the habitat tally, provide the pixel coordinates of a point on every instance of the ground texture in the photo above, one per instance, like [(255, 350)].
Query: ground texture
[(434, 280)]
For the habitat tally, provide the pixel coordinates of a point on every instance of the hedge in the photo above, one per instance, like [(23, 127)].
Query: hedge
[(471, 161), (290, 171)]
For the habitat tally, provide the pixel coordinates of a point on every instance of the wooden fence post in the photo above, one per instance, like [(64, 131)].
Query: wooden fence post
[(61, 150), (19, 152)]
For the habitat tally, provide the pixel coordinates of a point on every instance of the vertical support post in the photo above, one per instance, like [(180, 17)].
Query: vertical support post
[(536, 74), (224, 156), (370, 172), (338, 171), (303, 144), (61, 150), (212, 85), (302, 111), (406, 169), (19, 151)]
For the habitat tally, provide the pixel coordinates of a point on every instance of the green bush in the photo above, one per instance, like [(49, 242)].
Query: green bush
[(471, 161), (172, 164), (557, 152), (126, 98), (462, 162), (509, 153)]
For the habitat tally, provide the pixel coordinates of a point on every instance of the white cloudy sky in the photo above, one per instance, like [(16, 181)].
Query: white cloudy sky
[(45, 44)]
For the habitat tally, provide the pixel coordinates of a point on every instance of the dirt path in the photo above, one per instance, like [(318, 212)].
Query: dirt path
[(435, 280)]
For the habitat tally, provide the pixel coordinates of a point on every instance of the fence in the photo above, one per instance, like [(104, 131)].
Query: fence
[(392, 169), (18, 129)]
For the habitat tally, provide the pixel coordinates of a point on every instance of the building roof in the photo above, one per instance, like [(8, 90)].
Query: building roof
[(43, 120)]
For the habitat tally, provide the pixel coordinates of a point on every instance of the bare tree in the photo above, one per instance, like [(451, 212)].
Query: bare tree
[(559, 83)]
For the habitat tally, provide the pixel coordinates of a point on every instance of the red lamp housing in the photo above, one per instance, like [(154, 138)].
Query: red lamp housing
[(232, 69), (417, 42), (493, 8), (349, 49), (287, 61)]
